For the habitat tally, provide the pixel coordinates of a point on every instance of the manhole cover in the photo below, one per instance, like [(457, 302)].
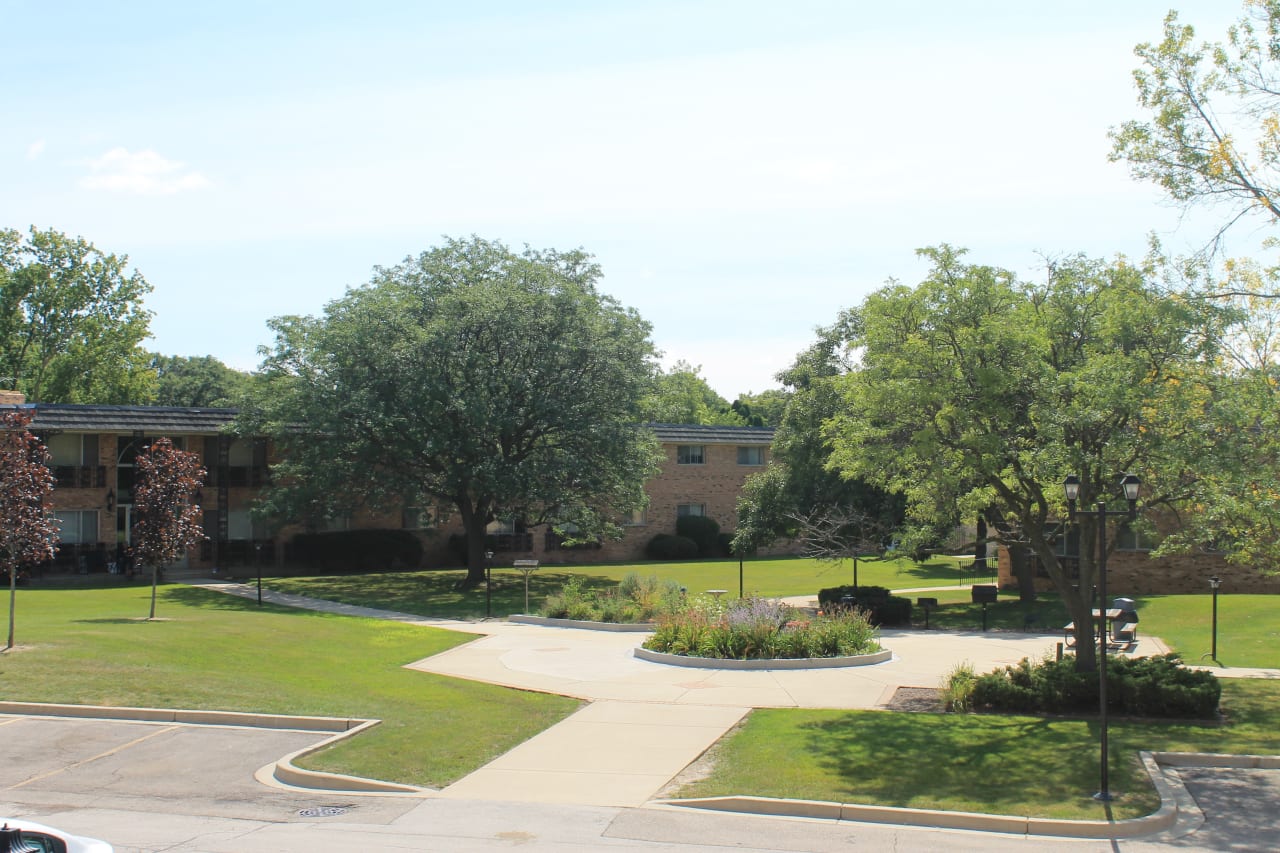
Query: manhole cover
[(323, 811)]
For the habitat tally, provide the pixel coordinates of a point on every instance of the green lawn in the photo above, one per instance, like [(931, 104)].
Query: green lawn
[(1035, 766), (213, 651), (435, 593), (1248, 627)]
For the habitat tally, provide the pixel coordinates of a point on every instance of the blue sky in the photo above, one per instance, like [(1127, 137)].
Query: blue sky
[(741, 170)]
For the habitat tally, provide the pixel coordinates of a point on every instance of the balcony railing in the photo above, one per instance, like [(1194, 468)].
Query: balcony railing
[(80, 476)]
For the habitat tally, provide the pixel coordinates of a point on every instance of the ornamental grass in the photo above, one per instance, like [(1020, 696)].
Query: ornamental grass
[(760, 629)]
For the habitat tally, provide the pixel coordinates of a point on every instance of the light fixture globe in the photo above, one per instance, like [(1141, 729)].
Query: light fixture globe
[(1071, 487)]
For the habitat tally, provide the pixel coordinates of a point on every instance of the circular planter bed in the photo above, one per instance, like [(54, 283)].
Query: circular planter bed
[(766, 663), (547, 621)]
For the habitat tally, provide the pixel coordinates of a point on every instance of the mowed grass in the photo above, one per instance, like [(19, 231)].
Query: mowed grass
[(213, 651), (1248, 627), (1033, 766), (436, 593)]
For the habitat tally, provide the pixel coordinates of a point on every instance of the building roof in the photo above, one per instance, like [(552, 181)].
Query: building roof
[(154, 420), (699, 434), (159, 420)]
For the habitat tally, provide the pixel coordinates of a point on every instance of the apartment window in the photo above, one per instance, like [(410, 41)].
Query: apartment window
[(72, 449), (1129, 539), (77, 527), (415, 518), (501, 527), (690, 509), (690, 454), (635, 518), (750, 455)]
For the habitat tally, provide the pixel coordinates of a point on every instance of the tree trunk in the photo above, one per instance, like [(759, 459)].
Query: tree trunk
[(474, 524), (1023, 568), (13, 597), (155, 580)]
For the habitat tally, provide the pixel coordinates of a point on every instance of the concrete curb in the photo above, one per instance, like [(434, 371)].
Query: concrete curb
[(283, 773), (1162, 819), (772, 663), (617, 627)]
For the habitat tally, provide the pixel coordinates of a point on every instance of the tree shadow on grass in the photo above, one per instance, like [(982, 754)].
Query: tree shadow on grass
[(983, 762)]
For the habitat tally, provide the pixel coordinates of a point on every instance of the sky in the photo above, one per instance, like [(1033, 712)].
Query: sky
[(741, 170)]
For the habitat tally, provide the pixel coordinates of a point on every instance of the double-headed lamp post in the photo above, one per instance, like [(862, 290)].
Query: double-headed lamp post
[(1130, 485)]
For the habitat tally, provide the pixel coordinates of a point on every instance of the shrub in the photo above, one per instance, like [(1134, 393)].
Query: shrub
[(881, 607), (357, 550), (1148, 687), (704, 532), (725, 543), (664, 546)]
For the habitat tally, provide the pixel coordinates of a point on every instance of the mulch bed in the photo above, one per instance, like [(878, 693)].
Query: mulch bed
[(927, 699)]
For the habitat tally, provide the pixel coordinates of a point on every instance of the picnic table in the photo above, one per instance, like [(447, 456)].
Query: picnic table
[(1119, 633)]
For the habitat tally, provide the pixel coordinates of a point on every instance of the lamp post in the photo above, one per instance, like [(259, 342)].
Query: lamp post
[(1071, 486), (488, 584), (1214, 583), (257, 548)]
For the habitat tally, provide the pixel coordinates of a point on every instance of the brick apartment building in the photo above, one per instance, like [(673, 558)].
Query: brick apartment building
[(93, 449)]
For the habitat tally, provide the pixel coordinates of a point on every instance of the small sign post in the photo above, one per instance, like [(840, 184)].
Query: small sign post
[(528, 567)]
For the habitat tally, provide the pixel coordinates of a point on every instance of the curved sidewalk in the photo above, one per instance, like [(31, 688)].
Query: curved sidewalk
[(647, 722)]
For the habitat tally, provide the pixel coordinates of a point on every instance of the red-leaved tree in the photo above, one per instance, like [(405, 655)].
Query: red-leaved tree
[(167, 522), (28, 533)]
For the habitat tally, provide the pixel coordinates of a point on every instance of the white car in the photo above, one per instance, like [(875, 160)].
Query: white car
[(18, 835)]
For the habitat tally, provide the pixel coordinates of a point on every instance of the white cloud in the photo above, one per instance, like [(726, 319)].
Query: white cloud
[(142, 173), (35, 149)]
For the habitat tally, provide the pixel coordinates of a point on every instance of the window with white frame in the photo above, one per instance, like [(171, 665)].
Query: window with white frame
[(690, 454), (77, 527), (690, 509), (751, 455)]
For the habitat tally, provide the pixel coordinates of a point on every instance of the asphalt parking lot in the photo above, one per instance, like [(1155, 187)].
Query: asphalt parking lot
[(160, 786), (189, 769)]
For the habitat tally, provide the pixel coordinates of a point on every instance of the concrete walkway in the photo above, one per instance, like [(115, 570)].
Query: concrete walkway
[(647, 721)]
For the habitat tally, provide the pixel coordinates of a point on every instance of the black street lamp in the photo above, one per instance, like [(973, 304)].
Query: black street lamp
[(1071, 486), (1214, 582), (488, 584), (257, 549)]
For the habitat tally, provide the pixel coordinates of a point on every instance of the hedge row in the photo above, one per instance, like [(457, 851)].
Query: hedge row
[(357, 550), (1156, 686), (882, 608)]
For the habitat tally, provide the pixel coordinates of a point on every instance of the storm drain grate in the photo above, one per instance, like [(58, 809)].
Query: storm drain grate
[(324, 811)]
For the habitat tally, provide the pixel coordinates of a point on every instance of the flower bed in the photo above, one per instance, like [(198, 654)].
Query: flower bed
[(761, 629)]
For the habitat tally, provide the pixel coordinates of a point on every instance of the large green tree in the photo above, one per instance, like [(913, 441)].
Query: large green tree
[(798, 485), (975, 390), (71, 321), (682, 396), (197, 381), (1212, 131), (501, 384)]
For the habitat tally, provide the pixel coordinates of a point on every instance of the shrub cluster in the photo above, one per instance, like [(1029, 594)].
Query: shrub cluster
[(665, 546), (1157, 686), (755, 628), (881, 607), (704, 531), (634, 599), (357, 550)]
